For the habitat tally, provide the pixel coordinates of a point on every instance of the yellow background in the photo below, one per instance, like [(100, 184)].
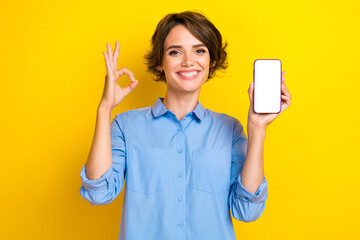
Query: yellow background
[(52, 76)]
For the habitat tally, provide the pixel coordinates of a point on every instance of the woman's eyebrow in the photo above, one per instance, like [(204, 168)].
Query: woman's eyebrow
[(174, 46), (199, 45), (179, 46)]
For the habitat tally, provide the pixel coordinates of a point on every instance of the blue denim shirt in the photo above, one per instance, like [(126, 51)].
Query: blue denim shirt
[(182, 177)]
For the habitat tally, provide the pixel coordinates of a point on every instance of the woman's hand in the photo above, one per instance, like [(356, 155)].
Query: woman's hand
[(113, 94), (261, 120)]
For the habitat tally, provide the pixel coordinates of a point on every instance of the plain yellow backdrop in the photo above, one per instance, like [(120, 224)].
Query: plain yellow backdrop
[(52, 76)]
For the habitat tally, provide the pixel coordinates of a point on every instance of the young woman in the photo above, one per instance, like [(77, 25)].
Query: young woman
[(187, 168)]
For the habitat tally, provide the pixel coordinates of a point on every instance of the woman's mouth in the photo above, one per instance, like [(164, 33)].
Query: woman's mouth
[(188, 75)]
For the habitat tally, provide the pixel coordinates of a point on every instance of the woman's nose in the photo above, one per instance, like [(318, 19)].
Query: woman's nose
[(187, 60)]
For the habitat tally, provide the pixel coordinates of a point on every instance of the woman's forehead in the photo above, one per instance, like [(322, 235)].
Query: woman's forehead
[(181, 36)]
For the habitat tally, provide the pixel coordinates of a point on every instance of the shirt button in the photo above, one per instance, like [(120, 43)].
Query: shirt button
[(180, 224), (180, 174), (180, 150), (180, 199), (179, 128)]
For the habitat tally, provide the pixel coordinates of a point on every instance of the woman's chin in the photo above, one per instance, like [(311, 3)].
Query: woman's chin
[(184, 90)]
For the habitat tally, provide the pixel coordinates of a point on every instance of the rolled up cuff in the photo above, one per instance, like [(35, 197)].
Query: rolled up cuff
[(98, 185), (260, 195)]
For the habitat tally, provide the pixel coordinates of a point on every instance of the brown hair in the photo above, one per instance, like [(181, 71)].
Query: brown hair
[(201, 28)]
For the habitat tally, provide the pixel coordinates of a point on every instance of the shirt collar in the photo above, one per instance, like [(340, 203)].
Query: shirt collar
[(159, 109)]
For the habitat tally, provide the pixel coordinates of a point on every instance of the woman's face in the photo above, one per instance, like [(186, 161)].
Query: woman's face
[(186, 61)]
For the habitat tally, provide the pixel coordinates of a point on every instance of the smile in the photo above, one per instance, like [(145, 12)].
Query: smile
[(188, 75)]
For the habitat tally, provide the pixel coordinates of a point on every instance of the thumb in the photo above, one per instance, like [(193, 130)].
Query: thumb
[(251, 93)]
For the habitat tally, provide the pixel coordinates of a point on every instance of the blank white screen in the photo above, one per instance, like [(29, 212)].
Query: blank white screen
[(267, 86)]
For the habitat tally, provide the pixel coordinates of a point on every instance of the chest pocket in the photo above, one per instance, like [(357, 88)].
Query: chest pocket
[(211, 170), (147, 169)]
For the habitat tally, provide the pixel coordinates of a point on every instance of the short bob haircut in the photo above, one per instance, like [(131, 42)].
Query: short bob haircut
[(201, 28)]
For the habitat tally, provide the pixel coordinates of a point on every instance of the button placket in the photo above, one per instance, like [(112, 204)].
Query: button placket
[(180, 160), (180, 128)]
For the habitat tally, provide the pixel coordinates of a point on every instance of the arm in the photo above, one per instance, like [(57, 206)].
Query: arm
[(253, 172), (103, 174), (107, 187), (245, 206), (100, 160), (249, 190)]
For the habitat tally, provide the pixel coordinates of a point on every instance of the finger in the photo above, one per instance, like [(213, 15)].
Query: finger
[(131, 86), (251, 92), (116, 55), (107, 63), (126, 71), (282, 77), (284, 106), (110, 54), (251, 88), (285, 90), (286, 99), (284, 87)]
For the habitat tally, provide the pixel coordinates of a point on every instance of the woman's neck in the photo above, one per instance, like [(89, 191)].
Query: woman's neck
[(182, 104)]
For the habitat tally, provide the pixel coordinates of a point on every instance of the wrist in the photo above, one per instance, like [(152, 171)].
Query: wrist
[(256, 126), (255, 130), (104, 108)]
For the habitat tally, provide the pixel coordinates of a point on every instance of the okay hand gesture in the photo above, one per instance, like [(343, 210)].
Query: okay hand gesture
[(113, 94)]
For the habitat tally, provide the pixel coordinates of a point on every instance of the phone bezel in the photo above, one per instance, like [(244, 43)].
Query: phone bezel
[(254, 85)]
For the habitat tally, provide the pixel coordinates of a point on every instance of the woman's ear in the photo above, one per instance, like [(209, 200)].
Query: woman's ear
[(159, 68), (213, 64)]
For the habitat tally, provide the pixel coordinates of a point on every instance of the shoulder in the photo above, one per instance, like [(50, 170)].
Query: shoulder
[(223, 117), (134, 115), (232, 123)]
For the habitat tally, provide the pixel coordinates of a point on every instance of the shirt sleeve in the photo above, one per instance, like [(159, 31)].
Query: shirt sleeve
[(244, 205), (109, 185)]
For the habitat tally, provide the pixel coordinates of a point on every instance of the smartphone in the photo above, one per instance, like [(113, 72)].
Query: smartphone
[(267, 86)]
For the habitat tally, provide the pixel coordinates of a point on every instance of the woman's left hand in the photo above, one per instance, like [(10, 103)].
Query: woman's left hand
[(262, 120)]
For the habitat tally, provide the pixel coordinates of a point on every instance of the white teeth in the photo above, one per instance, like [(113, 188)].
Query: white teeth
[(188, 74)]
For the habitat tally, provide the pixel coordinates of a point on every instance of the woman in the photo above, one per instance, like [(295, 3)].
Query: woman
[(187, 168)]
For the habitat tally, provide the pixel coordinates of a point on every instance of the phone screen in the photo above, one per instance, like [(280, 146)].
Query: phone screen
[(267, 86)]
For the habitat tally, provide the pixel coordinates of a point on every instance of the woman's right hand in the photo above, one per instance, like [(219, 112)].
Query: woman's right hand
[(113, 94)]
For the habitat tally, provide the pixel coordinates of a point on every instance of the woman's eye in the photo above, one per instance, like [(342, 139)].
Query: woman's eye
[(173, 52), (200, 51)]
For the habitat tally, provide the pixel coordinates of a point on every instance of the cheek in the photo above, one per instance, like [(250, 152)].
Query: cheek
[(206, 64), (205, 61), (170, 62)]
